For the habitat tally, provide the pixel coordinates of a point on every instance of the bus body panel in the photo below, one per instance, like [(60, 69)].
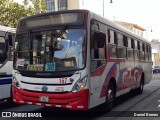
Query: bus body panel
[(53, 84), (6, 79), (97, 80), (77, 101), (6, 65), (57, 92)]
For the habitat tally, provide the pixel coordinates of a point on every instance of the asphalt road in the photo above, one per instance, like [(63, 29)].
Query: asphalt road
[(128, 107)]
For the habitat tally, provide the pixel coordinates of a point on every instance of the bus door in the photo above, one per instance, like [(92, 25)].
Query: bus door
[(97, 66)]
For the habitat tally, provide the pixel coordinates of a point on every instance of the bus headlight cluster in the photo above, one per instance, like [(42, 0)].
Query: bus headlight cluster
[(80, 85), (15, 83)]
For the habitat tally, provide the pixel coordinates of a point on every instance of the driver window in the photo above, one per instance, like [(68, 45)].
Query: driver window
[(2, 50)]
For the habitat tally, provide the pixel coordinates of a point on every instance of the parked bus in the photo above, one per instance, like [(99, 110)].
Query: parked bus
[(77, 60), (7, 35)]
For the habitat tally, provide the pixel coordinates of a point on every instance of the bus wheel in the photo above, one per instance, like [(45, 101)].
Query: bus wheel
[(140, 88), (110, 97)]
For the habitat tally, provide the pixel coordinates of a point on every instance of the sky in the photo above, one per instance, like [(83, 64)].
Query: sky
[(144, 13)]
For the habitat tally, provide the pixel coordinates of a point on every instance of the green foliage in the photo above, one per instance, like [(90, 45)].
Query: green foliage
[(11, 12), (38, 5)]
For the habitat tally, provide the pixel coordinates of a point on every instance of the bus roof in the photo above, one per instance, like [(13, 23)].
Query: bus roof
[(5, 29), (114, 25), (96, 17)]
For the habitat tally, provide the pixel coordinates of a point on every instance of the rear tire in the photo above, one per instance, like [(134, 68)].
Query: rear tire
[(140, 88), (110, 96)]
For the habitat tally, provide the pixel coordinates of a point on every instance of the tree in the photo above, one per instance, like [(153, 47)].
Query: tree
[(38, 5), (11, 12)]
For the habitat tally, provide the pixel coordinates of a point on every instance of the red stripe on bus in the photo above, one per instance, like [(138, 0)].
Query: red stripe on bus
[(98, 72)]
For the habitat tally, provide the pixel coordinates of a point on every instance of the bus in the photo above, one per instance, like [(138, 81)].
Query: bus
[(7, 35), (77, 60)]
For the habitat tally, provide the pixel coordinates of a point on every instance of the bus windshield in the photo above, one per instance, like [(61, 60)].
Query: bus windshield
[(52, 50)]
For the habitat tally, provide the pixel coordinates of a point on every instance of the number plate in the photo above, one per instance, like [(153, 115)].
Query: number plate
[(43, 99)]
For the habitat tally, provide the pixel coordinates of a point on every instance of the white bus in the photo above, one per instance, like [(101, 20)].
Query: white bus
[(77, 60), (7, 35)]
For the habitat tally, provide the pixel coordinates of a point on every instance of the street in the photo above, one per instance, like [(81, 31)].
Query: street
[(128, 107)]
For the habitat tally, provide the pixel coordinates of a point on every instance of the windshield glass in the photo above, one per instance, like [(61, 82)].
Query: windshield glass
[(56, 50)]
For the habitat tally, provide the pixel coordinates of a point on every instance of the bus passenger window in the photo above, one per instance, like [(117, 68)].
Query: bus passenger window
[(121, 49), (130, 54), (112, 44), (2, 50), (141, 51), (98, 47)]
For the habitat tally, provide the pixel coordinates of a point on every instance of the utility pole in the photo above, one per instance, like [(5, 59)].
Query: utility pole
[(103, 5)]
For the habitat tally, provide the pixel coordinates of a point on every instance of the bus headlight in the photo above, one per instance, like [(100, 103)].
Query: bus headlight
[(80, 85), (15, 83)]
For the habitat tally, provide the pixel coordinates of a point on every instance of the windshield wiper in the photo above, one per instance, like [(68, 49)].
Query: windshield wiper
[(60, 33)]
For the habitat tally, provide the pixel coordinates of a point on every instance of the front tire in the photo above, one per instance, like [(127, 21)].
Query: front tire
[(110, 97)]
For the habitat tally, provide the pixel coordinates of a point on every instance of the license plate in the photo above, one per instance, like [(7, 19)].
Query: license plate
[(43, 99)]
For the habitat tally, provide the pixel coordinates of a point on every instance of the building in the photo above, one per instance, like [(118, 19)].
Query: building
[(155, 43), (58, 5), (132, 27), (54, 5)]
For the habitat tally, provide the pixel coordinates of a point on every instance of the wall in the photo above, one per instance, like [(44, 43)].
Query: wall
[(73, 4)]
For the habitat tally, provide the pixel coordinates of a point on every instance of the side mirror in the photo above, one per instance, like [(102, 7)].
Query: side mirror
[(100, 39)]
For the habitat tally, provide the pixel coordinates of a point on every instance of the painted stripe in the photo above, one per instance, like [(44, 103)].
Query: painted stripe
[(110, 73), (21, 101), (58, 105), (30, 103), (99, 71), (38, 104), (48, 104), (5, 78), (80, 106), (122, 71), (2, 76), (5, 81), (68, 106)]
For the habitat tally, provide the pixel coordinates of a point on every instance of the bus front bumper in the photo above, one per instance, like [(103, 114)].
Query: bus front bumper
[(70, 100)]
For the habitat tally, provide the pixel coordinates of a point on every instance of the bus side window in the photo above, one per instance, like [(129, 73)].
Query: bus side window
[(136, 50), (121, 48), (98, 47), (112, 44), (2, 50), (130, 54)]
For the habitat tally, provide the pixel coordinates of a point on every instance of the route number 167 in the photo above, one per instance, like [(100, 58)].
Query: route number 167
[(63, 80)]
